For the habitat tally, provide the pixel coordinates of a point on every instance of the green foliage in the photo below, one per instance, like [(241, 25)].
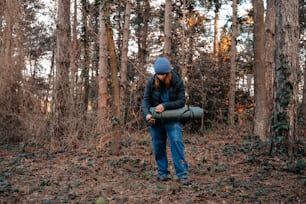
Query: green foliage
[(90, 162), (47, 201), (229, 150), (101, 201), (297, 167), (285, 89), (115, 121), (220, 167), (280, 118), (45, 182), (280, 126), (284, 94), (161, 187), (281, 123), (4, 184)]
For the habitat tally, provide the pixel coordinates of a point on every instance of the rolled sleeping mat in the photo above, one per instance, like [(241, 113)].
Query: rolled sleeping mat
[(181, 114)]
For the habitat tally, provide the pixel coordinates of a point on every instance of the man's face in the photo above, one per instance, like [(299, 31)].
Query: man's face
[(161, 77)]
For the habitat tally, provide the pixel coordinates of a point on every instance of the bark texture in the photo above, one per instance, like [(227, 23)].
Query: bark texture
[(260, 118), (286, 80), (233, 53)]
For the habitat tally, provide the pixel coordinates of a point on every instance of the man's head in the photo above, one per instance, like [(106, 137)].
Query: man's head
[(162, 66)]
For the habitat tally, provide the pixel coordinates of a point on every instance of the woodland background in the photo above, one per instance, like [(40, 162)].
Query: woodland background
[(72, 78)]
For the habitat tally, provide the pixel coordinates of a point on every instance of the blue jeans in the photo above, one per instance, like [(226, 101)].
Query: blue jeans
[(159, 137)]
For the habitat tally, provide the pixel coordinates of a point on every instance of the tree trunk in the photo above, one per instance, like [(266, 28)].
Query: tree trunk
[(303, 47), (303, 111), (62, 71), (269, 58), (190, 53), (103, 121), (143, 11), (168, 13), (260, 118), (117, 25), (115, 87), (7, 40), (73, 118), (184, 50), (10, 71), (216, 35), (124, 59), (2, 16), (233, 53), (86, 53), (142, 33), (286, 81)]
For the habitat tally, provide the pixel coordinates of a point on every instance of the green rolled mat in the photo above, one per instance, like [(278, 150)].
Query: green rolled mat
[(184, 114)]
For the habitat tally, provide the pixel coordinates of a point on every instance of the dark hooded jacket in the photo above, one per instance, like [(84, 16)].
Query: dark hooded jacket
[(152, 97)]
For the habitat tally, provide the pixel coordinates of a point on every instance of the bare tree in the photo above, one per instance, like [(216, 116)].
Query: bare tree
[(62, 72), (10, 68), (303, 47), (143, 13), (142, 32), (260, 118), (168, 35), (233, 53), (124, 58), (216, 32), (269, 58), (115, 85), (74, 52), (86, 55), (103, 94), (183, 59), (303, 106), (217, 5)]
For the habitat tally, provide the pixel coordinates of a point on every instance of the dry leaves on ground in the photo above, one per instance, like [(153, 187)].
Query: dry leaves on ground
[(225, 167)]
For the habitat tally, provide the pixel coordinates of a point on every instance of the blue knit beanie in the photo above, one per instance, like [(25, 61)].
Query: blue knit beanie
[(162, 66)]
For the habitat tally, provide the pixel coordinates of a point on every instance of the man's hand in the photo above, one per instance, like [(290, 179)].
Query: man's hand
[(150, 119), (159, 108)]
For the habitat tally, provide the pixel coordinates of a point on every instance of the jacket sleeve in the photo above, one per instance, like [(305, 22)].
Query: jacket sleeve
[(177, 95), (147, 99)]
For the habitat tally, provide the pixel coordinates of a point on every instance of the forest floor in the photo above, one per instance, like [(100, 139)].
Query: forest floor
[(225, 166)]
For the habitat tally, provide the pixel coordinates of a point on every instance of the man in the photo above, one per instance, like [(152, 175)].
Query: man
[(165, 91)]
